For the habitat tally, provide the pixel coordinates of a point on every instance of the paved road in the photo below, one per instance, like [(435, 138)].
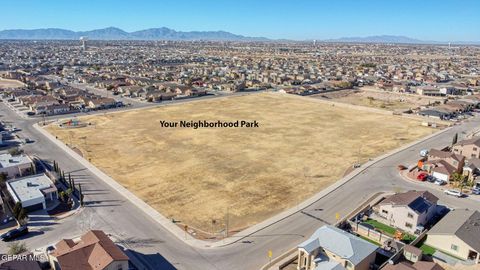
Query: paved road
[(158, 249)]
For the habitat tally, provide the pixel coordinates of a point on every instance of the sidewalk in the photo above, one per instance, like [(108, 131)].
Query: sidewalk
[(187, 238)]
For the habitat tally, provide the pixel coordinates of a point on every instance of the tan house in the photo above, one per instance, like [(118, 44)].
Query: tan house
[(331, 248), (457, 234), (469, 148), (443, 164), (94, 250), (408, 211)]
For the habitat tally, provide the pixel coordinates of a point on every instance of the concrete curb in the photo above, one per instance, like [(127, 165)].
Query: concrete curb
[(155, 215), (187, 238)]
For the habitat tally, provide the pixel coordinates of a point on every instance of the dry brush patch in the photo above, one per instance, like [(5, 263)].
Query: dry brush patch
[(196, 175)]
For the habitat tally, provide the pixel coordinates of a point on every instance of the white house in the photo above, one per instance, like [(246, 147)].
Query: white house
[(33, 192), (15, 166)]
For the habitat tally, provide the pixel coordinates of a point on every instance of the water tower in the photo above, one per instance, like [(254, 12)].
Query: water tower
[(84, 42)]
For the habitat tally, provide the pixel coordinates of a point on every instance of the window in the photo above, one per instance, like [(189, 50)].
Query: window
[(385, 211), (454, 247), (473, 155), (410, 215), (408, 225), (474, 149)]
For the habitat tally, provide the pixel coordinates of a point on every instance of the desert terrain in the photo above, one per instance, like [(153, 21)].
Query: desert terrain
[(301, 146)]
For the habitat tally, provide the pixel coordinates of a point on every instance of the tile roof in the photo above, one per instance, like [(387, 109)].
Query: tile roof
[(94, 251)]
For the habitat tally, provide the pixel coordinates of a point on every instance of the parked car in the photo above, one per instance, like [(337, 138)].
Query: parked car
[(440, 182), (15, 233), (454, 192), (431, 178), (476, 191), (422, 176)]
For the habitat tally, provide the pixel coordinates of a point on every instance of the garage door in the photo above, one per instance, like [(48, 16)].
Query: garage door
[(34, 207), (441, 176)]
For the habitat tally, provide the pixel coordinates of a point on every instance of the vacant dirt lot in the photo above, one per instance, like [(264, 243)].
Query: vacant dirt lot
[(378, 99), (10, 83), (196, 175)]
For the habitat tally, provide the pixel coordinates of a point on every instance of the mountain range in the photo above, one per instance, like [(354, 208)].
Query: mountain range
[(113, 33), (164, 33)]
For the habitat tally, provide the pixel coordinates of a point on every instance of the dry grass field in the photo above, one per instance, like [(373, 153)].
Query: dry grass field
[(10, 83), (195, 175), (378, 99)]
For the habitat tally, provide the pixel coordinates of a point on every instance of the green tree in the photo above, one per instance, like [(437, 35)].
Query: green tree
[(80, 194), (459, 180), (16, 209), (22, 216), (16, 248), (15, 151), (455, 139), (3, 180), (33, 170)]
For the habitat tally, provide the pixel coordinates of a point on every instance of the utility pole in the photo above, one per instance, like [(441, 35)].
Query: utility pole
[(226, 223)]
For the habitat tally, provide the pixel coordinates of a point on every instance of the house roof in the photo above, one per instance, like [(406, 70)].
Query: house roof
[(339, 242), (444, 155), (463, 223), (474, 141), (413, 250), (420, 265), (418, 201), (441, 166), (473, 163), (30, 187), (94, 251)]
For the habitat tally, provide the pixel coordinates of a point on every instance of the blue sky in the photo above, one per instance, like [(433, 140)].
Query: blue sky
[(440, 20)]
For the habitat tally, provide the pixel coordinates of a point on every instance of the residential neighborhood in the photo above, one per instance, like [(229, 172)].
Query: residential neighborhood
[(253, 135)]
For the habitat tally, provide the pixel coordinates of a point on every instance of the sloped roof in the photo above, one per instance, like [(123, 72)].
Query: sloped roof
[(418, 201), (94, 251), (463, 223), (339, 242), (474, 141), (444, 154)]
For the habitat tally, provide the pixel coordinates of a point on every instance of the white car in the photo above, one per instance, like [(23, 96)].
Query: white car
[(440, 182), (454, 192)]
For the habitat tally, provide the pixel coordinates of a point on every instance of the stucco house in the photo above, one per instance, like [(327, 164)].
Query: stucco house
[(457, 234), (15, 166), (408, 211), (469, 148), (443, 164), (94, 250), (331, 248)]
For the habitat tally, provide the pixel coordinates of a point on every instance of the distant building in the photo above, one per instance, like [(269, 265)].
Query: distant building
[(33, 192), (15, 166), (94, 250)]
